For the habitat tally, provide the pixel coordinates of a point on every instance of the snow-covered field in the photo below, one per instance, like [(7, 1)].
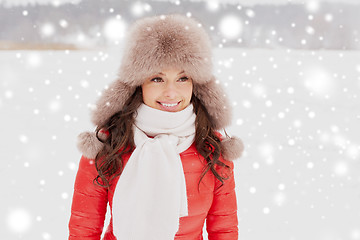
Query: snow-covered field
[(298, 113)]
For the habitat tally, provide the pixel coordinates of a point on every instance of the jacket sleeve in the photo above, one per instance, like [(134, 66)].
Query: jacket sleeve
[(88, 205), (221, 221)]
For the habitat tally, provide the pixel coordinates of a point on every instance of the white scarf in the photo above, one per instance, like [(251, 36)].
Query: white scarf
[(150, 195)]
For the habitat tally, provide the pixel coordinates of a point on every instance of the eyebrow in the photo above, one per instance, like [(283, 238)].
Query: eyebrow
[(160, 73)]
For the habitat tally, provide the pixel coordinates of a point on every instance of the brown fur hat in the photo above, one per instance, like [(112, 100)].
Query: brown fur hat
[(154, 44)]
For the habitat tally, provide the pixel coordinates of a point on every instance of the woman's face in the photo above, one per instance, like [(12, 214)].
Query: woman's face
[(169, 90)]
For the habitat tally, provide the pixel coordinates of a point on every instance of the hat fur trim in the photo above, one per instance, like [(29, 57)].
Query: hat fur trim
[(232, 148), (153, 45), (157, 43), (89, 145), (160, 42), (111, 101), (214, 99)]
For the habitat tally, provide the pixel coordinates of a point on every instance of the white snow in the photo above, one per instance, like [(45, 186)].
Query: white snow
[(24, 3), (47, 29), (19, 220), (231, 26), (54, 105), (212, 5), (46, 236), (299, 124), (279, 199), (319, 82), (114, 29), (63, 23), (33, 60), (8, 94), (23, 138), (341, 168), (312, 5), (266, 210), (252, 190), (138, 8)]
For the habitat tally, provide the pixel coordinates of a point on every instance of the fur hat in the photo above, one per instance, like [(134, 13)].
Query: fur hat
[(153, 44)]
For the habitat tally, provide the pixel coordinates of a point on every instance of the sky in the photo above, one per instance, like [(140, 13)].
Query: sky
[(243, 2)]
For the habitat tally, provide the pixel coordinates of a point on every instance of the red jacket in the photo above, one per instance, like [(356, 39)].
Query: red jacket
[(217, 206)]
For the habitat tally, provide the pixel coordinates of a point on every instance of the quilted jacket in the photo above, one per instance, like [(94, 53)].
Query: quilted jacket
[(215, 205)]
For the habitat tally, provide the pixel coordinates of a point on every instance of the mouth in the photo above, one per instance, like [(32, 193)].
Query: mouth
[(169, 106)]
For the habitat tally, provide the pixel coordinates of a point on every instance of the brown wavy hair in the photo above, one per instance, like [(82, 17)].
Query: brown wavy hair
[(120, 141)]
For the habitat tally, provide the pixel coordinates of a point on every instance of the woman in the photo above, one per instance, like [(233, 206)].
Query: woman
[(156, 155)]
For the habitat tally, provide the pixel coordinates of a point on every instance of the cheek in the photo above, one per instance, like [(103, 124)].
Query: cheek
[(188, 93), (144, 94), (148, 94)]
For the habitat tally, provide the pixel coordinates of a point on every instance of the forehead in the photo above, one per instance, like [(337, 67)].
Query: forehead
[(171, 72)]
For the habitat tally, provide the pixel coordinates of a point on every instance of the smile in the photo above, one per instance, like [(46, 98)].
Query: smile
[(169, 104)]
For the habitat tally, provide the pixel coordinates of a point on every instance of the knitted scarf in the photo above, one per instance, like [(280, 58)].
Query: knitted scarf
[(150, 195)]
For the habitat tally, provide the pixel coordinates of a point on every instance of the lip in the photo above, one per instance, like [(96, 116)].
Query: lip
[(169, 109)]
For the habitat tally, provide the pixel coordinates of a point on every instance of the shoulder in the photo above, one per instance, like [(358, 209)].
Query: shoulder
[(86, 173), (88, 165)]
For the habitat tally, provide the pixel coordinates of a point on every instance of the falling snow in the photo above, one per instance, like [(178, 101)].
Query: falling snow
[(19, 220), (231, 26), (47, 29), (114, 29), (297, 112)]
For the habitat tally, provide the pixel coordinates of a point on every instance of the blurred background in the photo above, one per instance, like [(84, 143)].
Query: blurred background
[(291, 69), (76, 24)]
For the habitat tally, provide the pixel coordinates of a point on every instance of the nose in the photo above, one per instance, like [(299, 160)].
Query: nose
[(170, 90)]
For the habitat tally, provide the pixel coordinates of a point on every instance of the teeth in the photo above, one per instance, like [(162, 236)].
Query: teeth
[(169, 105)]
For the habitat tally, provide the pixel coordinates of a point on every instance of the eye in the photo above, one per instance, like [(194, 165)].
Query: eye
[(183, 79), (157, 79)]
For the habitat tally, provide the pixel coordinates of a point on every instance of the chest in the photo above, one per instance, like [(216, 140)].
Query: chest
[(199, 193)]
